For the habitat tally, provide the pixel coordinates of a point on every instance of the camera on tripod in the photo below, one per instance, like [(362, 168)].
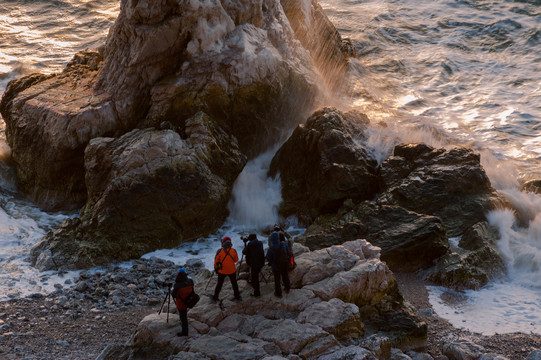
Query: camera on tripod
[(244, 238)]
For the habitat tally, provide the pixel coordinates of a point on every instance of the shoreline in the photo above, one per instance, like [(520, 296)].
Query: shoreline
[(38, 328)]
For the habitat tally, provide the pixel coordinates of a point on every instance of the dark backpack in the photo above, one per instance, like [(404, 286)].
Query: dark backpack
[(190, 300), (282, 258)]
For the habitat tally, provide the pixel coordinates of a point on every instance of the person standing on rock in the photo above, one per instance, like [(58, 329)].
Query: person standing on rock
[(183, 287), (224, 265), (255, 258), (278, 258)]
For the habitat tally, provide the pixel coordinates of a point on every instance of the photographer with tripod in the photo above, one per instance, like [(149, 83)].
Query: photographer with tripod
[(255, 258), (182, 289)]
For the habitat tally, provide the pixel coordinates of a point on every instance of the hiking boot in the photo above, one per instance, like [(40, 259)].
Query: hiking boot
[(278, 295), (237, 299), (212, 298), (182, 334), (286, 291), (254, 295)]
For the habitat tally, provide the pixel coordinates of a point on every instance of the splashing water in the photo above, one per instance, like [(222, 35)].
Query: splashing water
[(255, 199)]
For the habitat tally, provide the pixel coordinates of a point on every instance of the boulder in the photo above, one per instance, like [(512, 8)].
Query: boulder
[(450, 184), (49, 121), (534, 355), (462, 350), (408, 241), (471, 270), (479, 235), (144, 178), (164, 61), (338, 318), (322, 164)]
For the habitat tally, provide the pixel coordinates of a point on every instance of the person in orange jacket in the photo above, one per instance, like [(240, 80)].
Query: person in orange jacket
[(183, 287), (224, 265)]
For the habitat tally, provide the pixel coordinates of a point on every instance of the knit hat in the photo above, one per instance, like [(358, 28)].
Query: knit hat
[(181, 270), (252, 237), (226, 238)]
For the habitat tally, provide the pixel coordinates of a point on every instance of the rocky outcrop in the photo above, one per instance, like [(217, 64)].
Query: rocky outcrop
[(450, 184), (408, 241), (306, 323), (322, 164), (474, 263), (49, 122), (147, 189), (240, 62)]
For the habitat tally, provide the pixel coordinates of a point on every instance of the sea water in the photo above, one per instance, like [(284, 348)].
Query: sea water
[(440, 72)]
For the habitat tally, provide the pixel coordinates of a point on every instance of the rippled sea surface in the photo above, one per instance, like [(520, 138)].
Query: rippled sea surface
[(440, 72)]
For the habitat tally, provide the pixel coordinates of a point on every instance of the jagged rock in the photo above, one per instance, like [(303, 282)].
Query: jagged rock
[(322, 164), (463, 350), (226, 347), (470, 270), (163, 62), (450, 184), (412, 242), (479, 235), (532, 186), (143, 178)]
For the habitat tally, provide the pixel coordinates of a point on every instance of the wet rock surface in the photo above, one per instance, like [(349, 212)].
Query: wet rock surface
[(408, 241), (322, 164), (450, 184), (144, 178)]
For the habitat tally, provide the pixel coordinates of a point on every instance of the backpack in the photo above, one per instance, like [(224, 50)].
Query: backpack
[(282, 258), (291, 264), (190, 300)]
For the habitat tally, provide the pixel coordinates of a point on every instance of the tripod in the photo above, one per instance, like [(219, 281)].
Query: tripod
[(168, 299)]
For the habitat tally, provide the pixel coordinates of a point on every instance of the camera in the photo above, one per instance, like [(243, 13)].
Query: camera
[(244, 238)]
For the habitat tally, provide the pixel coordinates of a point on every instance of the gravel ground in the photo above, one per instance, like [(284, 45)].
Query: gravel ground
[(34, 328)]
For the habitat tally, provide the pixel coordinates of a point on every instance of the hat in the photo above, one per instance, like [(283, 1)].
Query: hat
[(226, 238), (181, 270), (277, 227)]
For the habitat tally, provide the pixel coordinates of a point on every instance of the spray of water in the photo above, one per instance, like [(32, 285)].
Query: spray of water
[(255, 197)]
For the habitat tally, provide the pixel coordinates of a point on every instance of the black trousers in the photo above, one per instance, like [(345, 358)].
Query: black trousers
[(183, 314), (284, 276), (233, 279), (254, 272)]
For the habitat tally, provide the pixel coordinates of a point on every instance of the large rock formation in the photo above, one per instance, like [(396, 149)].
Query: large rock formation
[(322, 317), (147, 189), (450, 184), (240, 62), (322, 164)]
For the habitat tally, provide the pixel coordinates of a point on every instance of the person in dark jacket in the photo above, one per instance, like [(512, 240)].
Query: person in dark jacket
[(284, 236), (183, 287), (275, 255), (224, 265), (255, 258)]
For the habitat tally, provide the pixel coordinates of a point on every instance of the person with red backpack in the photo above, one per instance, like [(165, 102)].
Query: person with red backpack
[(278, 257), (224, 265), (182, 289)]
